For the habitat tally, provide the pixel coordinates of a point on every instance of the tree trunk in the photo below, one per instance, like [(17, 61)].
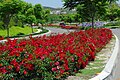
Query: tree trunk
[(32, 28), (92, 22), (8, 32), (6, 22)]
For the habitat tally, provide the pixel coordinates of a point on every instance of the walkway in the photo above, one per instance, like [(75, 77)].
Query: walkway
[(115, 75), (59, 30)]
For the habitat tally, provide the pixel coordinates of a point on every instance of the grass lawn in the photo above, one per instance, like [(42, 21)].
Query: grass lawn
[(16, 31)]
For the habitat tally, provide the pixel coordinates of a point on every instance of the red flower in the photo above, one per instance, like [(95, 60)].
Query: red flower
[(14, 63), (10, 67), (62, 71), (83, 65), (66, 67), (30, 57), (72, 59), (17, 54), (24, 72), (92, 47), (3, 70), (13, 79), (29, 66), (57, 63), (52, 58), (63, 50), (58, 67), (54, 69), (18, 68), (1, 65)]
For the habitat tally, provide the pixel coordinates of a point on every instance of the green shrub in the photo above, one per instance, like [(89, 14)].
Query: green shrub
[(117, 23), (20, 33), (12, 22), (1, 25)]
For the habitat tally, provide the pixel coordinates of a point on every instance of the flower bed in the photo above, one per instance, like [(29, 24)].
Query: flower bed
[(51, 57), (1, 37)]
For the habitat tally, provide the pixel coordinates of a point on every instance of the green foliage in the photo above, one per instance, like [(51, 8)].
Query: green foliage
[(53, 18), (30, 11), (77, 18), (19, 23), (8, 9), (1, 25), (46, 15), (21, 20), (21, 17), (39, 13), (69, 18), (12, 22), (115, 23), (38, 9), (31, 19), (88, 9), (113, 11)]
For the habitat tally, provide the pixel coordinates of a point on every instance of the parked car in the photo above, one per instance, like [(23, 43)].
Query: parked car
[(63, 25)]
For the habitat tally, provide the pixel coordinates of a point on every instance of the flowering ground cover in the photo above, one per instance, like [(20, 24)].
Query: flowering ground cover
[(51, 57), (95, 67)]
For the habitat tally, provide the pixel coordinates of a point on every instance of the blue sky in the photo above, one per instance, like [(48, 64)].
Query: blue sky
[(49, 3)]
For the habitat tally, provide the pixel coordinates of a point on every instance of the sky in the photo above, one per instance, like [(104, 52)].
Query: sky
[(48, 3)]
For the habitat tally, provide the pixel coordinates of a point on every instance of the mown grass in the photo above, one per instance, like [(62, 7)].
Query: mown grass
[(16, 30)]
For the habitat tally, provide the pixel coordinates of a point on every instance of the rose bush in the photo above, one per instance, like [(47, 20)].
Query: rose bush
[(50, 57)]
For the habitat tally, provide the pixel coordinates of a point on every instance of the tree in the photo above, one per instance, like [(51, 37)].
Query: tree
[(70, 18), (27, 9), (21, 18), (26, 6), (113, 11), (8, 9), (87, 8), (77, 18), (38, 12), (31, 19), (46, 15)]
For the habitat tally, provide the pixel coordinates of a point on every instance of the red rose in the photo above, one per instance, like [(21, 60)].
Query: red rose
[(54, 69), (3, 70), (18, 68), (24, 72), (62, 71), (56, 63)]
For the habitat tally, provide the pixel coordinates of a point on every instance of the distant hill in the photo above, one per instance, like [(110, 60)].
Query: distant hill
[(51, 8), (62, 10)]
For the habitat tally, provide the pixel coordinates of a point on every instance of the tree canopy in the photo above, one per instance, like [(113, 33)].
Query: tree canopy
[(88, 9), (21, 12), (8, 8)]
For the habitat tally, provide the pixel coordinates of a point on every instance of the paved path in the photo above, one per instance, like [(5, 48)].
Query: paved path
[(59, 30), (115, 75)]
